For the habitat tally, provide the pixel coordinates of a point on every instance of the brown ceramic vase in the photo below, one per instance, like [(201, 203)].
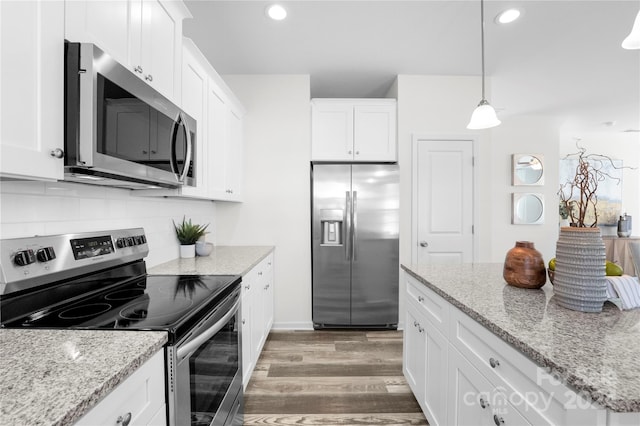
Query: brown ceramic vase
[(524, 266)]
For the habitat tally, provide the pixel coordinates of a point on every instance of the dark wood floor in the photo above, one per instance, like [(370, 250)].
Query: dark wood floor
[(331, 378)]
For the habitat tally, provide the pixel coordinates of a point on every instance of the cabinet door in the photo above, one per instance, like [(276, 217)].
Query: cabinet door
[(217, 141), (268, 295), (194, 102), (257, 325), (331, 131), (157, 48), (234, 171), (103, 22), (415, 349), (141, 395), (469, 394), (31, 75), (436, 380), (247, 353), (374, 133)]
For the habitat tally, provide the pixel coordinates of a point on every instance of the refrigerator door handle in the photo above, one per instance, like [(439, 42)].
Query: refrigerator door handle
[(354, 226), (347, 233)]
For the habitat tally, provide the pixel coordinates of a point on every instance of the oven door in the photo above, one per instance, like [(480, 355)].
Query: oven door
[(205, 371)]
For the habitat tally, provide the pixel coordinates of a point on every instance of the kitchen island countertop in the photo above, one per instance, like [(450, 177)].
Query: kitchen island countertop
[(54, 377), (223, 260), (597, 354)]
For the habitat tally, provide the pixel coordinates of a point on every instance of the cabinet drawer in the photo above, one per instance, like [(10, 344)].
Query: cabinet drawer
[(434, 307), (141, 395), (528, 387)]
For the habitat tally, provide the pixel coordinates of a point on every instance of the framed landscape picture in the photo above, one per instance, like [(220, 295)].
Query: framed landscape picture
[(609, 190)]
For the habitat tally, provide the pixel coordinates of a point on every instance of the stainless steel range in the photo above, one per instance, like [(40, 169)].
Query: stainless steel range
[(98, 280)]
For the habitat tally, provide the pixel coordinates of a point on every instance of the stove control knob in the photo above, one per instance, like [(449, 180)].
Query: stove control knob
[(45, 254), (130, 242), (24, 257), (120, 242)]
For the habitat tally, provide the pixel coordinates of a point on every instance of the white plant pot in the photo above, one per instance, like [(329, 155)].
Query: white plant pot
[(188, 251)]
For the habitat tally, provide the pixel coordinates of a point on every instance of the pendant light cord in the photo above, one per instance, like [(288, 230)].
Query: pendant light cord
[(482, 42)]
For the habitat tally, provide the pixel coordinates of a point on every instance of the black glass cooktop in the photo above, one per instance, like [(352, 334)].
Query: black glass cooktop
[(148, 302)]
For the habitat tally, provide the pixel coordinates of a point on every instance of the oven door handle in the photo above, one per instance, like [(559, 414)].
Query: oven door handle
[(185, 350)]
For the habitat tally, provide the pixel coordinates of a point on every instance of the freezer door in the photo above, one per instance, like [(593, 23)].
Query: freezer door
[(331, 193), (374, 269)]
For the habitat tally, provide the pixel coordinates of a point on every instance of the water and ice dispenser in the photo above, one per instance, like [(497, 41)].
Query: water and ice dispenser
[(331, 222)]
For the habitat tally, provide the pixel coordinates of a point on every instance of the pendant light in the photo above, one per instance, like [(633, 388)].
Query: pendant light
[(484, 116), (633, 39)]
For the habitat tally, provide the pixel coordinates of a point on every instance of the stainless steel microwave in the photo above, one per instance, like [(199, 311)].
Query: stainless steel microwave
[(119, 131)]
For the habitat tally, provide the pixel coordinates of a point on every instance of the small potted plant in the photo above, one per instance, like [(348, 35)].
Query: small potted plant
[(188, 233)]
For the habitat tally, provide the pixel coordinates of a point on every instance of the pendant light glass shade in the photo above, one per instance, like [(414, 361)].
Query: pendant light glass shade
[(633, 39), (483, 117)]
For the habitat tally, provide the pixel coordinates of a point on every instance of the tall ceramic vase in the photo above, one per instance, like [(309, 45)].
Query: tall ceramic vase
[(579, 279)]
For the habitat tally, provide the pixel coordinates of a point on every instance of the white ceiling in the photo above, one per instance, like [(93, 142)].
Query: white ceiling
[(561, 58)]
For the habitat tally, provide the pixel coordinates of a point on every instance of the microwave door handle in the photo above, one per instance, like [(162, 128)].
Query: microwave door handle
[(187, 160), (189, 347), (174, 136), (174, 162)]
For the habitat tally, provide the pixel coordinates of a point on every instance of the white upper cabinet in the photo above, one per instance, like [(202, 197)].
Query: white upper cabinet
[(144, 35), (194, 102), (353, 130), (219, 116), (31, 76)]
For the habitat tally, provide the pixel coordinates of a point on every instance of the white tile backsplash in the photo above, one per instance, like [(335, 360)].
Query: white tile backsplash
[(39, 208)]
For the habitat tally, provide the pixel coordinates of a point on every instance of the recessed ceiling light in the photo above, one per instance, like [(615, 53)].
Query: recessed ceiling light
[(276, 12), (508, 16)]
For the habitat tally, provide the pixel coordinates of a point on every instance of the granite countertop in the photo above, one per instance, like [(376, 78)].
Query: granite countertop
[(597, 354), (53, 377), (223, 260)]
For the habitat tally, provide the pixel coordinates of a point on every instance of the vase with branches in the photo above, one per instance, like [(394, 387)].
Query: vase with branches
[(579, 195)]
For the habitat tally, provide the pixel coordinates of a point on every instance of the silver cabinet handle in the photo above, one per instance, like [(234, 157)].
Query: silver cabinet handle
[(125, 420), (493, 362), (424, 244), (57, 153), (415, 323), (420, 299), (357, 152), (138, 69), (148, 77), (498, 420), (483, 403), (247, 287), (350, 152)]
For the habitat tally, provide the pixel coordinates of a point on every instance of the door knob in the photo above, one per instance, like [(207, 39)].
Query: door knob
[(424, 244)]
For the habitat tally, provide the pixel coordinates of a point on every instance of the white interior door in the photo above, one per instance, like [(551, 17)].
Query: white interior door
[(443, 201)]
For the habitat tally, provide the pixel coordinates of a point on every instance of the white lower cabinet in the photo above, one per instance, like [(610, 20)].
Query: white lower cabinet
[(139, 398), (426, 358), (463, 374), (257, 314)]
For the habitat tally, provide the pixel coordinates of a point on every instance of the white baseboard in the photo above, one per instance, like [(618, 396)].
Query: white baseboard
[(292, 326)]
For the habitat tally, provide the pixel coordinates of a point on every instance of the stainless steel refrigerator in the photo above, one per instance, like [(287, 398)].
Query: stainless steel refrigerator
[(355, 227)]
